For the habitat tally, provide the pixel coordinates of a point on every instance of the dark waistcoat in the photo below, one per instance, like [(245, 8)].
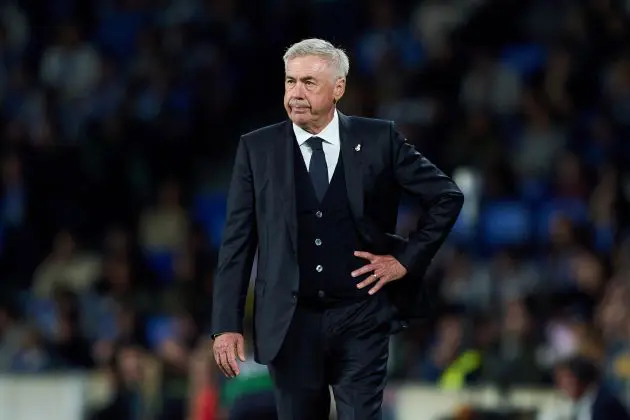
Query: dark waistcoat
[(327, 237)]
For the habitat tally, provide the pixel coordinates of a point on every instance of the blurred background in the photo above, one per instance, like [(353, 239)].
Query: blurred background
[(119, 119)]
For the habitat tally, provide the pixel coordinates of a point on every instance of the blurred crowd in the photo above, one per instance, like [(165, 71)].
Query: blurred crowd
[(119, 119)]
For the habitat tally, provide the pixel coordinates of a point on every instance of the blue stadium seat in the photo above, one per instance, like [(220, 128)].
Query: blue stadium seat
[(209, 209), (463, 232), (533, 190), (604, 239), (107, 325), (524, 59), (99, 316), (162, 263), (573, 209), (504, 223), (43, 313), (158, 329)]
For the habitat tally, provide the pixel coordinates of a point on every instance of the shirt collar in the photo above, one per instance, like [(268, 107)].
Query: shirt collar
[(329, 134)]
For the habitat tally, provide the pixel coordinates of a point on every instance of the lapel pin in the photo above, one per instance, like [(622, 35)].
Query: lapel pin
[(357, 148)]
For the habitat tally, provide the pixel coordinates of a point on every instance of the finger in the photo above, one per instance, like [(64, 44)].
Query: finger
[(225, 363), (220, 362), (217, 357), (378, 286), (240, 348), (365, 269), (231, 356), (364, 255), (367, 281)]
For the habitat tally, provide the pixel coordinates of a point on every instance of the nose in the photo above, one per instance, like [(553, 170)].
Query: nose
[(298, 90)]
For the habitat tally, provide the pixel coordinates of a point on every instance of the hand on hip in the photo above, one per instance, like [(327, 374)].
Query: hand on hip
[(384, 269)]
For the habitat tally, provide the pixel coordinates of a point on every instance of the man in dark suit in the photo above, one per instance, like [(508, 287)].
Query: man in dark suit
[(579, 379), (318, 196)]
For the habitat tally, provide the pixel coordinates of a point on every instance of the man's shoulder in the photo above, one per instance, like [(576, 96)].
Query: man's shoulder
[(266, 132), (367, 122), (367, 128), (363, 125)]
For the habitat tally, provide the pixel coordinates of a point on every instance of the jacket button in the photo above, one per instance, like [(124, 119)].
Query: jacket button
[(318, 242), (319, 268), (319, 214), (321, 294)]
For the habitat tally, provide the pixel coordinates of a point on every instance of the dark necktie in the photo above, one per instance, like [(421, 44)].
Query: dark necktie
[(318, 168)]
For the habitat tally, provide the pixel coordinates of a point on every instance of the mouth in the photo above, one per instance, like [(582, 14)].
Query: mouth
[(300, 107)]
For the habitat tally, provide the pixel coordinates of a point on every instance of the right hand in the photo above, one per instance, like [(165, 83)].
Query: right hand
[(226, 347)]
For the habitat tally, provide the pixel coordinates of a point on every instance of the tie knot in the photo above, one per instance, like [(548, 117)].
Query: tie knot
[(315, 143)]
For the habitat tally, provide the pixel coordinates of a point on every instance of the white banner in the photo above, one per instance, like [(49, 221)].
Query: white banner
[(430, 403), (42, 397)]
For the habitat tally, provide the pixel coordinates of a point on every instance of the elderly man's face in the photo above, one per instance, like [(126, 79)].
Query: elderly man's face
[(310, 91)]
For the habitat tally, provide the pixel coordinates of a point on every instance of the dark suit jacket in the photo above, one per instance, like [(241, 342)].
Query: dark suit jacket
[(608, 407), (379, 165)]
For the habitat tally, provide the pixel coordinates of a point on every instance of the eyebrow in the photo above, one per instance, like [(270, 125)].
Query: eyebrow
[(303, 79)]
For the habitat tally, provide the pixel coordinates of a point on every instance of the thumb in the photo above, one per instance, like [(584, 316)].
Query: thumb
[(240, 348)]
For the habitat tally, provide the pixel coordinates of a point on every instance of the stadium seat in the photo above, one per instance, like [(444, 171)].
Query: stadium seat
[(159, 328), (504, 223), (533, 190), (107, 324), (604, 239), (209, 210), (162, 263), (573, 209), (463, 232), (43, 313), (524, 59)]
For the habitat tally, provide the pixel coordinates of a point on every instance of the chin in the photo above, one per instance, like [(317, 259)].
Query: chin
[(300, 118)]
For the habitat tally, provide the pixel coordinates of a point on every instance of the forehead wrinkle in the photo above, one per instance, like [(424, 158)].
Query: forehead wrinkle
[(307, 64)]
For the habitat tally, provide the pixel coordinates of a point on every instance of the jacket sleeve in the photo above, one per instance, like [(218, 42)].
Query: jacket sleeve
[(238, 247), (438, 195)]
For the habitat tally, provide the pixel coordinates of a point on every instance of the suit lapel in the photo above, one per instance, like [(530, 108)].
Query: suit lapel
[(282, 158), (351, 152)]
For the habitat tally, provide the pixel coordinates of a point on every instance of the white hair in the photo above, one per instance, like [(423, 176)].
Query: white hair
[(336, 57)]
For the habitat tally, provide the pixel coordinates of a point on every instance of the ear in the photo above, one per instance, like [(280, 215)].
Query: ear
[(340, 88)]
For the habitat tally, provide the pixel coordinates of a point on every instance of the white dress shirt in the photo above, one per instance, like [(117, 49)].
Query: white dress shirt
[(566, 409), (583, 408), (331, 144)]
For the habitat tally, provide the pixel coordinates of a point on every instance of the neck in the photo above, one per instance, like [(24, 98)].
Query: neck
[(316, 127)]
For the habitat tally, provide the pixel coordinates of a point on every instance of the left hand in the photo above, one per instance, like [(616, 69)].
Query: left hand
[(384, 269)]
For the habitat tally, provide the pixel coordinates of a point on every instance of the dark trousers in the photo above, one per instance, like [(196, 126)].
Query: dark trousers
[(256, 406), (345, 347)]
